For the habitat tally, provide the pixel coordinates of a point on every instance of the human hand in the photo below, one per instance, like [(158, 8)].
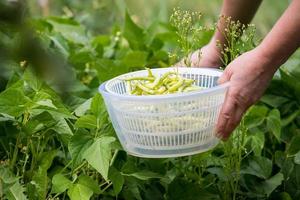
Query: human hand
[(207, 56), (249, 76)]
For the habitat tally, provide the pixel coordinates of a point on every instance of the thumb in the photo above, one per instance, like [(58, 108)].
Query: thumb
[(225, 77)]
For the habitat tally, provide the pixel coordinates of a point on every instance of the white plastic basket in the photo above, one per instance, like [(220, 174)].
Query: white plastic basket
[(171, 125)]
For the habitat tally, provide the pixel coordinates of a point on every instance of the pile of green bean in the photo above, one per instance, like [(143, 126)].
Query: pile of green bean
[(169, 83)]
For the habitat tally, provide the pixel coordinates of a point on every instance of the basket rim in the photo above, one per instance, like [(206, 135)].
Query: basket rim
[(175, 96)]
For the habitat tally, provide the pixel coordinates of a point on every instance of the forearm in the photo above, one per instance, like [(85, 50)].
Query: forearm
[(242, 10), (284, 38)]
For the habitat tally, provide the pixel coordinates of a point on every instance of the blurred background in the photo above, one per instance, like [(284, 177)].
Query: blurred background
[(100, 15), (91, 37)]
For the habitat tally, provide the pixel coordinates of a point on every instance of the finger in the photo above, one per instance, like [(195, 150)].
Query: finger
[(225, 77), (233, 123), (226, 114)]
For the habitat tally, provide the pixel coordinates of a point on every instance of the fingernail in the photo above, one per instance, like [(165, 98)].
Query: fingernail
[(219, 135)]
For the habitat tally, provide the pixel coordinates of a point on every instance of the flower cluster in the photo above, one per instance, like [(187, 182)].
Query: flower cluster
[(188, 30), (239, 38)]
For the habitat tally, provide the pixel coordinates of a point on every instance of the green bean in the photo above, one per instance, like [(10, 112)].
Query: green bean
[(139, 78), (176, 85), (150, 74), (145, 89), (170, 82), (161, 90)]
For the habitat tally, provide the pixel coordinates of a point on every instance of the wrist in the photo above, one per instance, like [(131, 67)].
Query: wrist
[(268, 57)]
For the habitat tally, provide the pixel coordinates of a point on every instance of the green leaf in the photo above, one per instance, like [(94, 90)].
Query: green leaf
[(90, 183), (272, 183), (40, 179), (284, 196), (62, 127), (286, 121), (97, 105), (86, 121), (256, 141), (117, 179), (286, 165), (81, 110), (258, 166), (78, 144), (60, 183), (13, 102), (6, 176), (79, 192), (32, 80), (144, 175), (135, 59), (273, 100), (69, 29), (16, 192), (108, 69), (274, 123), (133, 33), (98, 155), (261, 188), (294, 145), (255, 116), (182, 189), (10, 185), (297, 158)]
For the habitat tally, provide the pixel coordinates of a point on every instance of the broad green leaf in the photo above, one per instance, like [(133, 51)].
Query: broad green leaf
[(258, 166), (16, 192), (292, 185), (32, 80), (69, 29), (6, 176), (78, 144), (87, 121), (46, 159), (256, 141), (255, 116), (97, 105), (62, 127), (144, 175), (272, 183), (108, 69), (274, 123), (60, 183), (133, 33), (90, 183), (294, 145), (260, 189), (80, 58), (45, 100), (284, 196), (40, 179), (182, 189), (286, 121), (81, 110), (286, 165), (80, 192), (98, 155), (273, 100), (117, 179), (60, 44), (40, 183), (13, 102), (135, 59), (291, 81), (297, 158)]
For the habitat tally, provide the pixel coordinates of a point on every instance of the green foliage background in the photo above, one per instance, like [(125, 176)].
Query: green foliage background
[(57, 142)]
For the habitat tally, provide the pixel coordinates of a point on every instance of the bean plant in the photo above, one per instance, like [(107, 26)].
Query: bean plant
[(57, 141)]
